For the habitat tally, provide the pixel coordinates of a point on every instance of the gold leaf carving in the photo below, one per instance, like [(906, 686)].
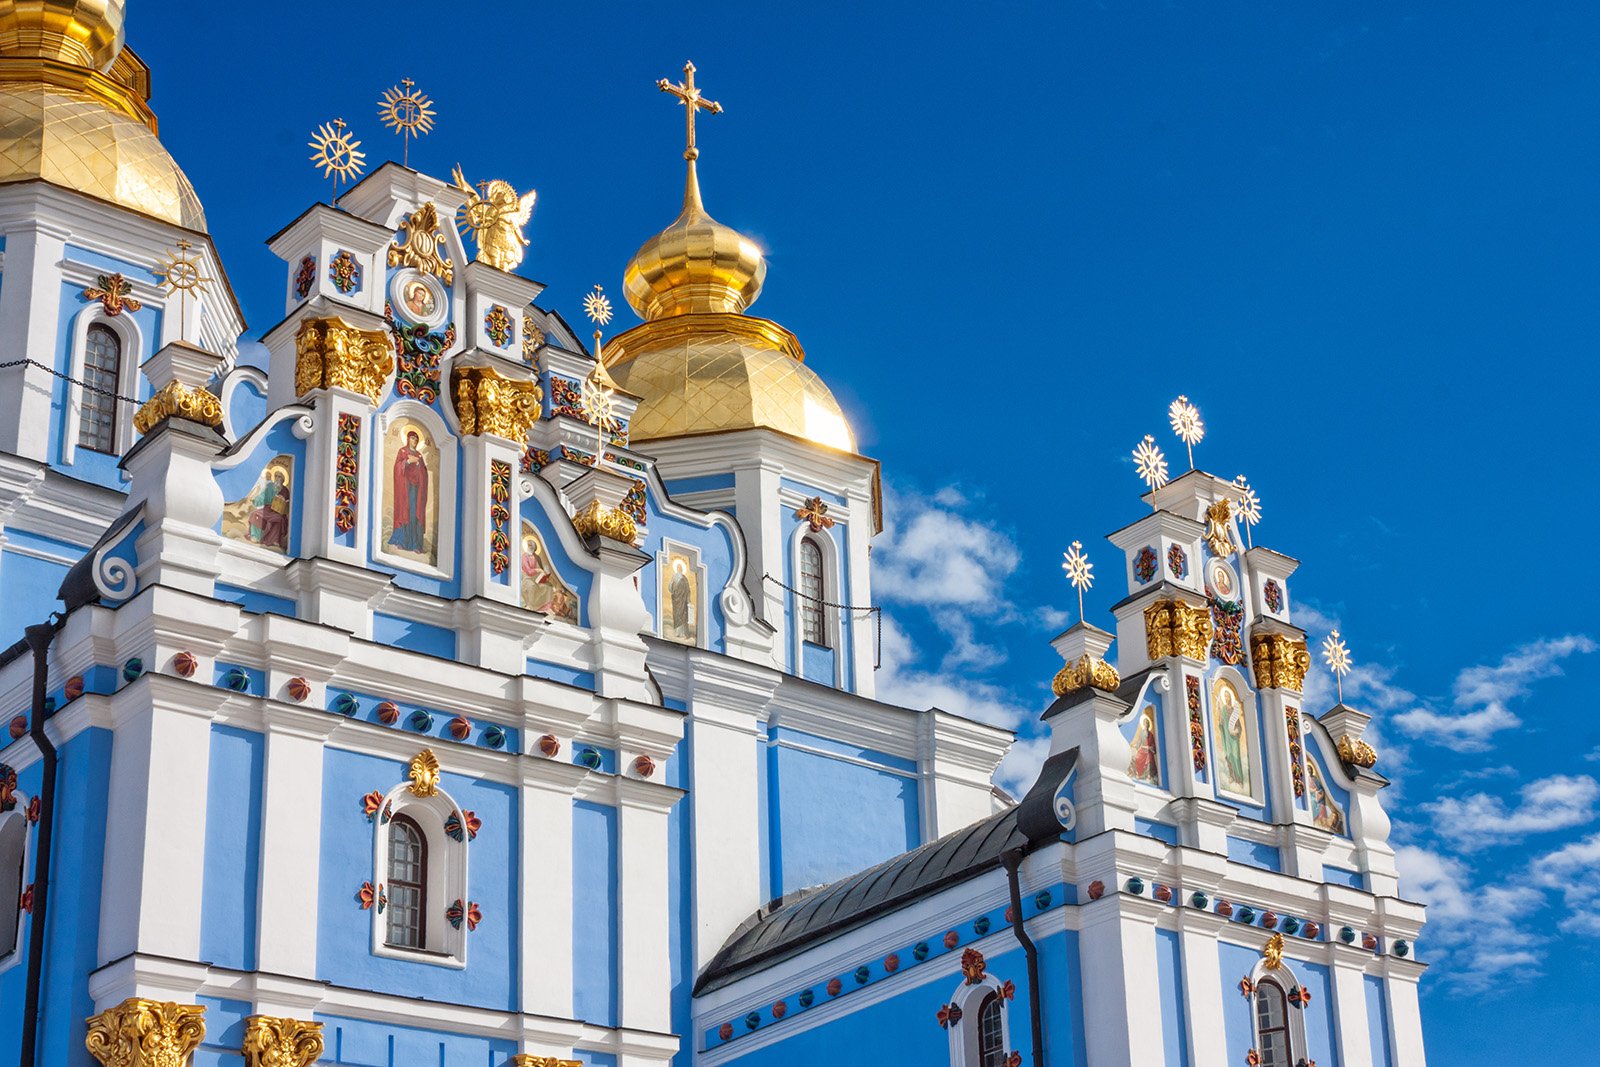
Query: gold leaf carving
[(178, 399), (1280, 662), (421, 247), (1357, 753), (332, 354), (523, 1059), (1176, 628), (1219, 521), (146, 1033), (424, 773), (1087, 671), (488, 402), (274, 1042), (597, 518)]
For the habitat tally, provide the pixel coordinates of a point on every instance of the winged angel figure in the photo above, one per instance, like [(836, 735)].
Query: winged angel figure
[(495, 215)]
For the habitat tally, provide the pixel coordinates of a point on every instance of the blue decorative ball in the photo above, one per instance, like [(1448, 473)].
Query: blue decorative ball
[(807, 998), (345, 704), (1402, 949), (420, 720), (234, 678), (981, 925), (132, 669), (1135, 886), (920, 950), (589, 757), (494, 736), (1245, 914), (1041, 899), (1199, 900), (752, 1020), (1347, 935), (861, 975)]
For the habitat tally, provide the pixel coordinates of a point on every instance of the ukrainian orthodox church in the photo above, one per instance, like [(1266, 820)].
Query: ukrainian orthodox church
[(436, 695)]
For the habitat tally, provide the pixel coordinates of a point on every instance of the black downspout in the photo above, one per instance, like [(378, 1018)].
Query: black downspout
[(39, 638), (1013, 860)]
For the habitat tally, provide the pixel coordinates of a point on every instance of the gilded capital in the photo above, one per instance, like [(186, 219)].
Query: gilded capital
[(1357, 753), (489, 402), (146, 1033), (1176, 628), (178, 399), (270, 1041), (1087, 671), (1280, 662), (523, 1059), (332, 354), (597, 518)]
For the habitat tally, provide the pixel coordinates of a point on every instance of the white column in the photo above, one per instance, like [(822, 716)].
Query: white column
[(28, 330), (291, 843), (1405, 1013), (545, 854), (1352, 1035), (644, 985), (857, 549), (1117, 947), (1202, 986)]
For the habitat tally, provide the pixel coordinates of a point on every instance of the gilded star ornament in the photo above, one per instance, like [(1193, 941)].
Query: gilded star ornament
[(1247, 506), (337, 153), (179, 273), (1080, 572), (408, 112), (598, 307), (1151, 464), (599, 392), (1337, 657), (1185, 419)]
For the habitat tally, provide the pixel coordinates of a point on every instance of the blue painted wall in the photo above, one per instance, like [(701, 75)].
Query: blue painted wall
[(30, 585), (224, 1032), (1378, 1020), (1237, 962), (232, 848), (1174, 1017), (359, 1043), (594, 913)]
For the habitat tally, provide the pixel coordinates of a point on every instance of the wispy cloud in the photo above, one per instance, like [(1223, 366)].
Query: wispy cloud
[(934, 556), (1480, 820), (1476, 935), (1482, 695), (1573, 870)]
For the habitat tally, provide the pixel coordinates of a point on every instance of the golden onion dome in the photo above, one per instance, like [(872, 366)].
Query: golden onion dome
[(700, 365), (74, 111)]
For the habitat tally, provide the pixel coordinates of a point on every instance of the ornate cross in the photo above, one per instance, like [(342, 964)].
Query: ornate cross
[(815, 512), (689, 96)]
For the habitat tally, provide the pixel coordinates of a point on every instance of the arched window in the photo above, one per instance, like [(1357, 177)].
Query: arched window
[(1273, 1042), (991, 1033), (102, 374), (813, 594), (13, 835), (408, 883)]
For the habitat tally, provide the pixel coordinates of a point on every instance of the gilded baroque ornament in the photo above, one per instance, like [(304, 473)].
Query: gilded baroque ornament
[(421, 246), (494, 215), (1272, 952), (275, 1042), (180, 274), (1088, 671), (1279, 661), (146, 1033), (332, 354), (1219, 517), (815, 514), (1357, 753), (1176, 628), (177, 399), (112, 290), (490, 403), (523, 1059), (597, 518), (424, 771)]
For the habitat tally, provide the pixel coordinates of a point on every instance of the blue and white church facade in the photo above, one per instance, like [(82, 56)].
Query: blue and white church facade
[(371, 707)]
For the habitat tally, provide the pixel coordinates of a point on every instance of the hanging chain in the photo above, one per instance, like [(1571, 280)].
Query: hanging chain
[(69, 378), (856, 612)]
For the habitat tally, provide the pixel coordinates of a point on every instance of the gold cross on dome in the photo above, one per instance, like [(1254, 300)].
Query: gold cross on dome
[(689, 96)]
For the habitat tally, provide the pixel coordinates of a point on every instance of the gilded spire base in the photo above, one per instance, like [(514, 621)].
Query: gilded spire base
[(1085, 673), (178, 400), (596, 517)]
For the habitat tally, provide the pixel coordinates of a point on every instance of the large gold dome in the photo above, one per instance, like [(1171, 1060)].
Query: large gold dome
[(697, 362), (73, 110)]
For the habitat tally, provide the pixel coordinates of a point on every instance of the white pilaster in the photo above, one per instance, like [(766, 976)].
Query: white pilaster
[(291, 842), (644, 984), (546, 903)]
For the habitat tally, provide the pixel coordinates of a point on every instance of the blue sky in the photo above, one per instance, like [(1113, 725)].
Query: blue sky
[(1362, 237)]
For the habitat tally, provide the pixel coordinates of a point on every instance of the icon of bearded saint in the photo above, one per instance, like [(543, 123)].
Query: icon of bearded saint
[(495, 215)]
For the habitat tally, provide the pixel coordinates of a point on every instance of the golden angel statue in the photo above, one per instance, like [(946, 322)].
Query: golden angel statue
[(495, 216)]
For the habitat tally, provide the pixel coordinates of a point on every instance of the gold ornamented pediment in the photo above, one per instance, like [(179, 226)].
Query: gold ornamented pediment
[(424, 772), (422, 243), (597, 518), (488, 402), (274, 1042), (146, 1033), (1280, 662), (178, 399), (1272, 952), (523, 1059), (1357, 753), (1086, 672), (332, 354), (1176, 628)]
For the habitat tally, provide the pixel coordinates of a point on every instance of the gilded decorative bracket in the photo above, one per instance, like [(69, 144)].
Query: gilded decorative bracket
[(332, 354), (487, 402), (146, 1033), (597, 518), (1280, 662), (177, 399), (424, 772), (523, 1059), (275, 1042), (1088, 671), (1176, 628), (1357, 753), (421, 247)]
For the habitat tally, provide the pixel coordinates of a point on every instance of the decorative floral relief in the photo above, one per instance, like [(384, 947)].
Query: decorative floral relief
[(566, 397), (499, 516), (344, 272), (532, 338), (497, 325), (346, 473), (1177, 562), (633, 503), (1272, 593), (419, 352), (1226, 619), (1197, 730), (1291, 716), (1144, 565), (305, 277)]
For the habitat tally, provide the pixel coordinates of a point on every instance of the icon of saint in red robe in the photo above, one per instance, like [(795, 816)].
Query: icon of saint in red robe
[(410, 497)]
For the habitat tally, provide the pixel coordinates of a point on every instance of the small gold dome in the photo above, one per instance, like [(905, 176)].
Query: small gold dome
[(74, 111), (696, 265)]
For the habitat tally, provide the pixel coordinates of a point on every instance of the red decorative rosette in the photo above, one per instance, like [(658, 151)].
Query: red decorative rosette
[(949, 1015), (298, 689), (891, 963), (460, 728), (26, 900), (472, 823), (388, 713), (366, 896), (779, 1010), (834, 986), (371, 804), (1008, 989), (1097, 889), (185, 664), (973, 966), (1015, 1059), (644, 766), (952, 939), (19, 726), (474, 916), (74, 687), (1300, 997), (1252, 1058), (725, 1031), (1246, 987), (549, 745), (35, 806)]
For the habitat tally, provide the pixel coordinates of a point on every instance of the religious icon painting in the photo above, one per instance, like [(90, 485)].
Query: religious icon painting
[(1232, 739), (1144, 754), (261, 516), (541, 587), (1325, 810), (418, 298), (410, 490), (1221, 579), (681, 579)]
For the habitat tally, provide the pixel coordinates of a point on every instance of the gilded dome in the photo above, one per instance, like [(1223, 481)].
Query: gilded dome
[(73, 110), (695, 265)]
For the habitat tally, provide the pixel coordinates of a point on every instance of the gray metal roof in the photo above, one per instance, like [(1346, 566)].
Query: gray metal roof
[(796, 922)]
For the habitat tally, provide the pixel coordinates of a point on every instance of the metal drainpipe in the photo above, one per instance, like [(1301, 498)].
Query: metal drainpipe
[(39, 638), (1013, 860)]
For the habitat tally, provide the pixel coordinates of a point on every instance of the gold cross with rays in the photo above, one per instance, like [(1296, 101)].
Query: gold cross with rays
[(689, 96)]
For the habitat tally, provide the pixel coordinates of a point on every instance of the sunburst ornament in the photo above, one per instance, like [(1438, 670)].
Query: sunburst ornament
[(180, 274), (407, 112), (1080, 572), (1248, 507), (1151, 465), (1185, 419), (338, 153), (1337, 657), (599, 391), (598, 307)]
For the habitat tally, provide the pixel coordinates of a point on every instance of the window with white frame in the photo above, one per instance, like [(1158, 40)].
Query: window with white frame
[(102, 375), (13, 839), (991, 1032), (420, 853), (813, 593), (977, 1020), (408, 884), (1277, 1016)]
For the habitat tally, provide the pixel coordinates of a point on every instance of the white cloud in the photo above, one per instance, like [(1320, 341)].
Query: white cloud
[(1573, 870), (1480, 820), (1475, 935), (1021, 765), (901, 681), (1482, 693), (937, 558)]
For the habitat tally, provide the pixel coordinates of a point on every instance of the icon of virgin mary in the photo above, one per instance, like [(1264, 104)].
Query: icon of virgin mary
[(410, 497)]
